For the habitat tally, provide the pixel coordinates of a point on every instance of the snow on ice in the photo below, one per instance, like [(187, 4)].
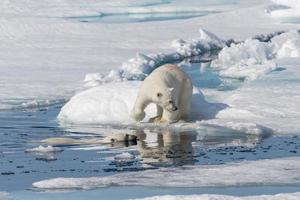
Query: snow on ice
[(277, 171), (283, 196)]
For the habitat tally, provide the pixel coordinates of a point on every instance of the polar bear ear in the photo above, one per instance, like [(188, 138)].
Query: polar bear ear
[(171, 89), (159, 94)]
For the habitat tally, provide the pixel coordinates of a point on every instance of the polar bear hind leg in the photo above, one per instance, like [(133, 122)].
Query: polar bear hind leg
[(185, 101)]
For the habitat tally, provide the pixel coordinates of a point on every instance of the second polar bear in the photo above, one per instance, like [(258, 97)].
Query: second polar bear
[(170, 89)]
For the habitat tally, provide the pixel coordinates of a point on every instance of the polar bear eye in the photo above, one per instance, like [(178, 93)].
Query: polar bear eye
[(159, 94)]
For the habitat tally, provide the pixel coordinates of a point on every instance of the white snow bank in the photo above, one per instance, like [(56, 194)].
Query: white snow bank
[(282, 196), (252, 58), (107, 103), (142, 65), (44, 149), (280, 171)]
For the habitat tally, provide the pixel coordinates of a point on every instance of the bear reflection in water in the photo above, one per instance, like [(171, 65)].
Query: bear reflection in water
[(169, 148), (154, 147)]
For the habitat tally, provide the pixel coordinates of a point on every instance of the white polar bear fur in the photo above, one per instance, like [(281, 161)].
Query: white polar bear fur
[(170, 89)]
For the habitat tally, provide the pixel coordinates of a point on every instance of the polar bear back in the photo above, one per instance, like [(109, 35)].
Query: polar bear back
[(169, 75)]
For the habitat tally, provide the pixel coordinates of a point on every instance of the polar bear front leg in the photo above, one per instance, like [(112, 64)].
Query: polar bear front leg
[(170, 116), (159, 112), (138, 113)]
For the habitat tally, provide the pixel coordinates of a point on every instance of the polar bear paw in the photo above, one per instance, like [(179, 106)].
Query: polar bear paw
[(138, 116), (155, 119)]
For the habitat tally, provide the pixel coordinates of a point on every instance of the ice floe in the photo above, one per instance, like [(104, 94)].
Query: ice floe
[(44, 149), (282, 196), (108, 139), (277, 171), (125, 156)]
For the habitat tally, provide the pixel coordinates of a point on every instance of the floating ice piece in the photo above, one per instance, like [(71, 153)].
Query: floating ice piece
[(279, 171), (282, 196), (44, 149), (37, 104), (125, 156), (117, 137)]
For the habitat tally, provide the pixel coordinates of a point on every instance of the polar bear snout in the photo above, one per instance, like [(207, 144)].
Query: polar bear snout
[(174, 109), (171, 106)]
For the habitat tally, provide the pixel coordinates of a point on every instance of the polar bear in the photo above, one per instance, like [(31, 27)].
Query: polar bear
[(170, 89)]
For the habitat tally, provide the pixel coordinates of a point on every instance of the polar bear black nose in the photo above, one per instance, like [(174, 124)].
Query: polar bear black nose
[(170, 102)]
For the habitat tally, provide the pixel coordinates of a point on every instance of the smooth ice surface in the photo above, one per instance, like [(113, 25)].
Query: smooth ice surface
[(272, 101), (280, 171), (284, 196)]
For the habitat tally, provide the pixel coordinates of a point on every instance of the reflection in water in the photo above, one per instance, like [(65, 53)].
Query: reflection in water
[(162, 146), (170, 149)]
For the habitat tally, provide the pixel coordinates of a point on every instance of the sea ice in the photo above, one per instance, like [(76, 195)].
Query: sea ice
[(291, 9), (44, 149), (283, 196), (277, 171), (142, 65), (253, 58), (125, 156)]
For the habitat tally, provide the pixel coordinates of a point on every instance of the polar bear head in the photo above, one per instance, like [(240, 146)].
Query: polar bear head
[(165, 99)]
